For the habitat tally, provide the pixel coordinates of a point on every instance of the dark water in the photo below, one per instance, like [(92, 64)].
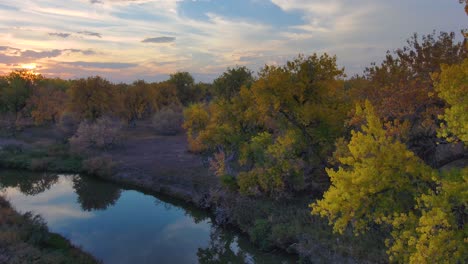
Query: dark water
[(119, 225)]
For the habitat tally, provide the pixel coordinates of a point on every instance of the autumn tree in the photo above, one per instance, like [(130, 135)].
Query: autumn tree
[(165, 94), (93, 97), (381, 183), (47, 104), (290, 116), (138, 101), (400, 87), (452, 87)]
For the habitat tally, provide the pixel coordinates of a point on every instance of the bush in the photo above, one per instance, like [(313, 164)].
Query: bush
[(168, 121), (40, 164), (7, 124), (68, 124), (103, 134), (100, 166)]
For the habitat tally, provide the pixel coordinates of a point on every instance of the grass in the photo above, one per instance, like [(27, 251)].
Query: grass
[(54, 158), (26, 239)]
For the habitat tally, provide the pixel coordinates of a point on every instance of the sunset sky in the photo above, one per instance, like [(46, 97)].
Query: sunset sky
[(125, 40)]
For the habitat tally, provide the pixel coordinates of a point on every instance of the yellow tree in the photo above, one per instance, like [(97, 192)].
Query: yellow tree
[(452, 86), (380, 182), (379, 177)]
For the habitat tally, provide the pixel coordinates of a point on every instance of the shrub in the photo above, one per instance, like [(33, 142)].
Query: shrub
[(103, 134), (7, 124), (68, 124), (100, 166), (168, 121), (40, 164)]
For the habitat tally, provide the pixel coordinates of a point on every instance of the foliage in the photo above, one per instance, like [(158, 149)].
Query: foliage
[(228, 85), (452, 86), (138, 101), (436, 232), (68, 124), (46, 104), (15, 90), (93, 97), (400, 87), (102, 134), (381, 183), (184, 83), (168, 121), (261, 129), (378, 178)]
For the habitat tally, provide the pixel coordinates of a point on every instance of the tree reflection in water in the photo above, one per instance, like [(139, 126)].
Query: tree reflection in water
[(29, 183), (223, 248), (94, 194)]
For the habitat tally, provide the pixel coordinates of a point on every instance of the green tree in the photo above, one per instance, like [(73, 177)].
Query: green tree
[(230, 82), (184, 84), (16, 88)]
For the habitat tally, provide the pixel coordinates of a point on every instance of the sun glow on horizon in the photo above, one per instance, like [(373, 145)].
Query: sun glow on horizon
[(29, 66)]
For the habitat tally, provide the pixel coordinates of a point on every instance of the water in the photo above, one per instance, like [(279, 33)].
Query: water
[(120, 225)]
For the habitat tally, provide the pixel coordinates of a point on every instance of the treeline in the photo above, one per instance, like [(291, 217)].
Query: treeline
[(25, 95), (370, 144)]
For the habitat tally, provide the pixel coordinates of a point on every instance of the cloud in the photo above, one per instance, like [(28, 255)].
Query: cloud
[(41, 54), (11, 56), (102, 65), (89, 33), (159, 40), (57, 34), (95, 1)]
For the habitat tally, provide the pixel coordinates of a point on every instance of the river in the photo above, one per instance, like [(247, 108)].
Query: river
[(119, 225)]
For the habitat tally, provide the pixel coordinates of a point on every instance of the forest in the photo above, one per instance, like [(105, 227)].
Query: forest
[(371, 153)]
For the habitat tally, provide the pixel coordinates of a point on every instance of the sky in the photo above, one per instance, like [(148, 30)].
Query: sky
[(126, 40)]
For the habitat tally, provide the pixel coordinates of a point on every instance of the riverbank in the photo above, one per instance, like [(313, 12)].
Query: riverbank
[(161, 164), (25, 239)]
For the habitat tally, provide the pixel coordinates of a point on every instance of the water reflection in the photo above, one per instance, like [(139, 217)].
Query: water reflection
[(95, 195), (126, 226), (28, 183)]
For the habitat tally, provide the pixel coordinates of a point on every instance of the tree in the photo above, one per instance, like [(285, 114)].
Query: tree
[(290, 117), (93, 97), (46, 104), (230, 82), (381, 183), (16, 89), (400, 87), (184, 83), (452, 86), (138, 101), (165, 94)]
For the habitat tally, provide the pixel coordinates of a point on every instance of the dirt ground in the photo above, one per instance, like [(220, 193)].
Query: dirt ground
[(160, 163)]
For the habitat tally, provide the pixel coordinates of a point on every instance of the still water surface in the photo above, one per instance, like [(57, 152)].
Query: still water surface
[(120, 225)]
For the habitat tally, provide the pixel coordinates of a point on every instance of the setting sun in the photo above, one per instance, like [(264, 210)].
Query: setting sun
[(30, 66)]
